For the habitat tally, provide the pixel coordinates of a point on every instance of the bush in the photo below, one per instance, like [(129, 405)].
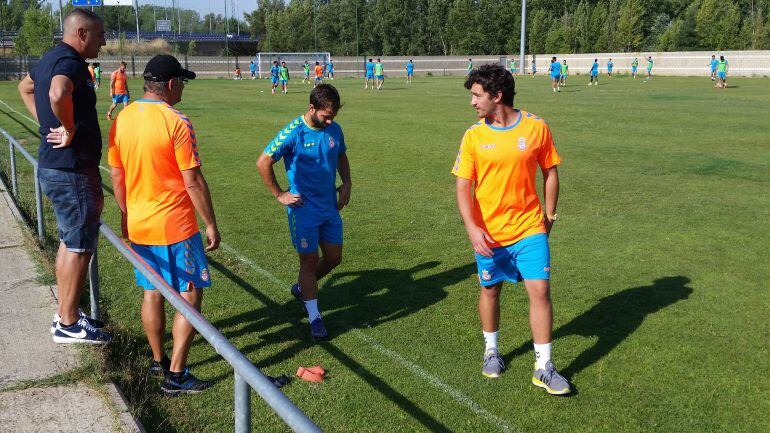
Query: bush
[(143, 48)]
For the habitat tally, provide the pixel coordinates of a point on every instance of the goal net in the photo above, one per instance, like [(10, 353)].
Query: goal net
[(294, 61)]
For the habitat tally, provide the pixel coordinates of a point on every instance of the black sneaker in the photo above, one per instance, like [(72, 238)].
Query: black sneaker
[(160, 369), (183, 383)]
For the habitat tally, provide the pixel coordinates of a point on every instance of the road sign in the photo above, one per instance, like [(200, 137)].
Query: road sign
[(162, 25), (118, 2), (86, 2)]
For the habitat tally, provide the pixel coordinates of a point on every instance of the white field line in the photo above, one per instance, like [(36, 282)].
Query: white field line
[(418, 371)]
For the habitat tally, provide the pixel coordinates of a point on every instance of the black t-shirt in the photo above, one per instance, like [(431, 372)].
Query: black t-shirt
[(86, 147)]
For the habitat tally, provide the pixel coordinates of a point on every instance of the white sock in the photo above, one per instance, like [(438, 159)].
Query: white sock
[(312, 309), (490, 340), (542, 355)]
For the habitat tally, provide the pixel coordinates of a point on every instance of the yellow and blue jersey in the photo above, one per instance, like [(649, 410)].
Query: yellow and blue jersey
[(310, 156)]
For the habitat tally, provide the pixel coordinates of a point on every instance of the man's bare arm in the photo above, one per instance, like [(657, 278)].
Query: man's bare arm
[(266, 172), (198, 190), (480, 239), (27, 92)]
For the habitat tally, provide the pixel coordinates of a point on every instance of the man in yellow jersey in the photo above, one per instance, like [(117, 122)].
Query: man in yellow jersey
[(506, 223), (156, 175)]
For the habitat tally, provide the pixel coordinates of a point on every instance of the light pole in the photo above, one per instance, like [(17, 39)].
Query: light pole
[(523, 34), (315, 27)]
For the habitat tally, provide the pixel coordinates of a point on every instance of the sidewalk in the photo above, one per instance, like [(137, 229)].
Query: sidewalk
[(27, 352)]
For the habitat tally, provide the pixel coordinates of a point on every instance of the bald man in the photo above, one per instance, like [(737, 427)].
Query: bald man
[(59, 93)]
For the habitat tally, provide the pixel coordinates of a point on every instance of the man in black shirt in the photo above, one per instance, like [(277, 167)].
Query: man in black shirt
[(59, 93)]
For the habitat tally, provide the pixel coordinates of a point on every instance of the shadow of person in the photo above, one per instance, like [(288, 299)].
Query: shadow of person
[(614, 318)]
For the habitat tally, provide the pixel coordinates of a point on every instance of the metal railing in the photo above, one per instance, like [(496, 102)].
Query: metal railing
[(247, 375)]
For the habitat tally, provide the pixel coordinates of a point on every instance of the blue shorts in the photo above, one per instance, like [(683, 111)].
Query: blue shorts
[(409, 74), (527, 259), (283, 81), (77, 199), (308, 228), (274, 80), (319, 79), (555, 76), (594, 74), (369, 76), (118, 98), (380, 77), (633, 69), (179, 264), (722, 75), (609, 71)]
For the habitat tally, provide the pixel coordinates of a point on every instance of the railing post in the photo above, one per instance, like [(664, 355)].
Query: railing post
[(93, 282), (39, 206), (242, 407), (14, 182)]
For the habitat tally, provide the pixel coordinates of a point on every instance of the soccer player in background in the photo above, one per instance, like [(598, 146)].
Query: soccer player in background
[(306, 69), (283, 77), (507, 225), (253, 70), (314, 151), (609, 68), (470, 66), (97, 75), (594, 73), (379, 74), (722, 68), (274, 71), (634, 67), (564, 73), (713, 66), (369, 74), (534, 65), (319, 74), (118, 89), (514, 69), (409, 71), (330, 70), (153, 157), (649, 69), (555, 70)]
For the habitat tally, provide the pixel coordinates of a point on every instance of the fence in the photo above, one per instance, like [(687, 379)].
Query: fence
[(247, 376), (684, 63)]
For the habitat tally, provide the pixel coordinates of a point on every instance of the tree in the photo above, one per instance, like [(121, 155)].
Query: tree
[(629, 33), (36, 33)]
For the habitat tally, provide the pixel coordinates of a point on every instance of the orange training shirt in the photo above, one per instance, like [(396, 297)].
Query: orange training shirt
[(503, 163), (153, 143), (319, 71), (120, 82)]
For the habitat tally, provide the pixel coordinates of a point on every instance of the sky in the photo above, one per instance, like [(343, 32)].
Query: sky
[(202, 6)]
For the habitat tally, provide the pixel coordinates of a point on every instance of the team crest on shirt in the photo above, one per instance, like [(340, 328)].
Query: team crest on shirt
[(485, 275), (204, 274), (303, 243), (522, 144), (331, 143)]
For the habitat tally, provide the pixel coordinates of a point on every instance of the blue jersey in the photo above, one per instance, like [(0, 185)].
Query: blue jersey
[(369, 68), (714, 65), (274, 71), (555, 69), (409, 68), (310, 156), (252, 67), (331, 67), (609, 66), (594, 68)]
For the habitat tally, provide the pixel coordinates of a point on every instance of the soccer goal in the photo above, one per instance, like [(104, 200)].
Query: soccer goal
[(294, 61)]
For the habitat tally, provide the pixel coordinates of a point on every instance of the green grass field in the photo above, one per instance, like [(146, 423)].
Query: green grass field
[(660, 263)]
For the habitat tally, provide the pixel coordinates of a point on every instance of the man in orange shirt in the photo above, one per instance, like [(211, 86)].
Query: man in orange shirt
[(155, 169), (118, 89), (319, 74), (503, 216)]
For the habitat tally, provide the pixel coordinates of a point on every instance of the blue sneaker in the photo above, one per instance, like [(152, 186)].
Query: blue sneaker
[(80, 332), (297, 293), (317, 329), (183, 383), (160, 369), (98, 324)]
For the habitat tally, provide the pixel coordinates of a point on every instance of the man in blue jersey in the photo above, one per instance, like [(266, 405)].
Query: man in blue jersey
[(609, 68), (274, 75), (594, 73), (713, 68), (555, 70), (253, 70), (409, 72), (330, 70), (649, 69), (369, 74), (314, 151), (722, 67)]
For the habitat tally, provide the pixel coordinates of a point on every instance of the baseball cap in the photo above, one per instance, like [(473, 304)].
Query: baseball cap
[(164, 67)]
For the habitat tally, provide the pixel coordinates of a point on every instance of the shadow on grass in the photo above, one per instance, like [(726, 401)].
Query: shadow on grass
[(614, 318), (22, 124), (364, 299)]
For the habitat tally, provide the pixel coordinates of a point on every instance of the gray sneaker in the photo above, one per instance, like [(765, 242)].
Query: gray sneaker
[(550, 380), (493, 364)]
